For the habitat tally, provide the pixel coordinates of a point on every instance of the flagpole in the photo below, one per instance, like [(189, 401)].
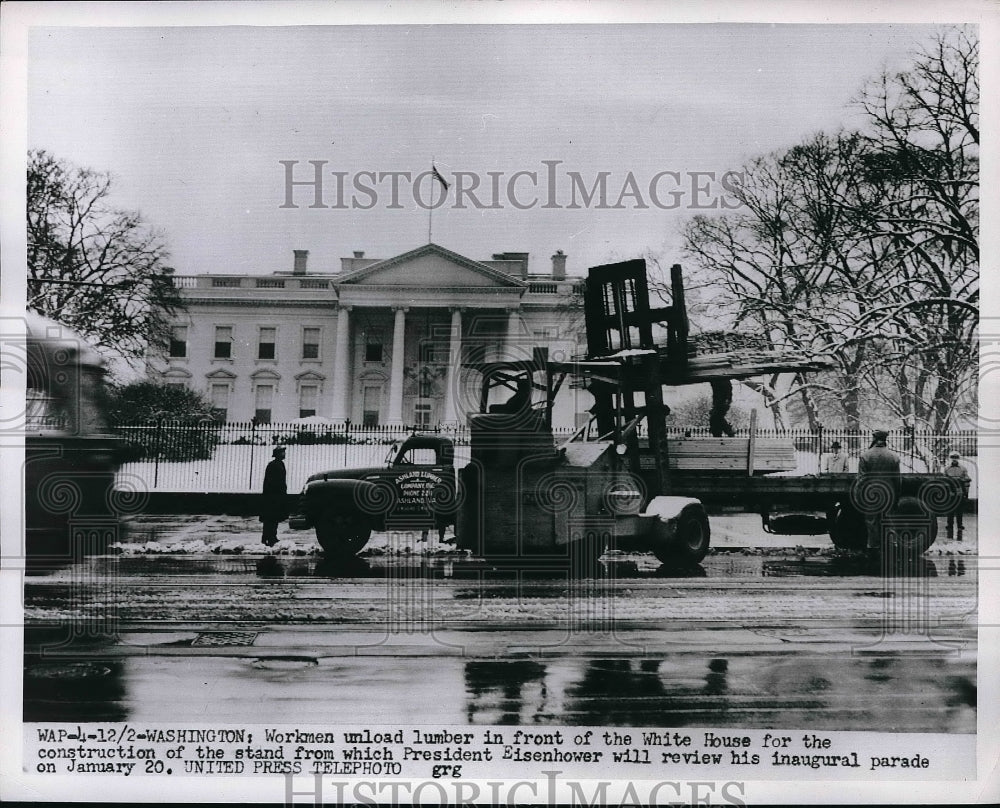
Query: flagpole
[(430, 213)]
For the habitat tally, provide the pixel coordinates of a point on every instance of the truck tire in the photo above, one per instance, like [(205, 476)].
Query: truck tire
[(342, 535), (691, 540), (847, 527)]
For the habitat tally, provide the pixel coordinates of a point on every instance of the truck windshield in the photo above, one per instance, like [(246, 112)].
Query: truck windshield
[(419, 457), (390, 458)]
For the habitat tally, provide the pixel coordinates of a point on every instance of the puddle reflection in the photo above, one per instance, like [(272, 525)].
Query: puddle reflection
[(74, 689), (925, 694), (893, 692)]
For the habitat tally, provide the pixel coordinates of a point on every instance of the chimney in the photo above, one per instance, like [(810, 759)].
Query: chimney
[(299, 265), (359, 253), (559, 266)]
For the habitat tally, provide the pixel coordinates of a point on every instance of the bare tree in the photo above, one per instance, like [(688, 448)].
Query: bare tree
[(923, 153), (92, 267), (864, 246), (790, 267)]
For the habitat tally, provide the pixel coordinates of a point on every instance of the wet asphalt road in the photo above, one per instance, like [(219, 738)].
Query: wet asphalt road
[(193, 621)]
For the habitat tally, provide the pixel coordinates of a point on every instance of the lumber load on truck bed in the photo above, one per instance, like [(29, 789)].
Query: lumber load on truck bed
[(730, 455)]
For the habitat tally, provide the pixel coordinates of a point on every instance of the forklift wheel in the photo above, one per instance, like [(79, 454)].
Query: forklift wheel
[(341, 536), (691, 540)]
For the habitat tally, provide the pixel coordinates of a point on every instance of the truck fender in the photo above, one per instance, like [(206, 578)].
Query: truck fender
[(667, 508), (679, 529), (364, 497)]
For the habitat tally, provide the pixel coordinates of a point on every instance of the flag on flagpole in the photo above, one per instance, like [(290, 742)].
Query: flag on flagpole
[(437, 175)]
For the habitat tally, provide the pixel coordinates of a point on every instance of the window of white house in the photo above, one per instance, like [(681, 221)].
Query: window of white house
[(373, 346), (178, 341), (263, 401), (422, 414), (265, 342), (371, 397), (223, 342), (308, 400), (219, 396), (310, 343), (545, 333)]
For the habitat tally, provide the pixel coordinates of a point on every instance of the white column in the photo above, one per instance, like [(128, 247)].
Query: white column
[(396, 374), (451, 413), (514, 346), (342, 357)]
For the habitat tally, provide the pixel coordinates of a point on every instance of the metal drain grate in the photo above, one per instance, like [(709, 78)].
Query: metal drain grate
[(224, 638)]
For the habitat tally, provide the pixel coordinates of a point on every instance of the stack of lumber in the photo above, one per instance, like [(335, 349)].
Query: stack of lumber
[(734, 355), (711, 342), (730, 454), (739, 365)]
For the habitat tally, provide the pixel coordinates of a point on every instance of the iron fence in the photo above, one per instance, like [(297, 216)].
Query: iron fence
[(231, 457)]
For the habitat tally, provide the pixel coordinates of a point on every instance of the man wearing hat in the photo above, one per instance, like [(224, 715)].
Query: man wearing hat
[(878, 466), (274, 501), (835, 462), (957, 472)]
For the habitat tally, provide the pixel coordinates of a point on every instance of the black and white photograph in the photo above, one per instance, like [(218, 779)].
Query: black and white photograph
[(493, 403)]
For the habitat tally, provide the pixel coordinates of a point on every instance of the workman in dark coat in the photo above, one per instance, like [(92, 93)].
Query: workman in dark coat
[(722, 400), (274, 501), (957, 472), (878, 470)]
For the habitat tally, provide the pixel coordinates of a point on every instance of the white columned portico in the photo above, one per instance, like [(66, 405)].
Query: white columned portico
[(451, 413), (341, 379), (396, 374)]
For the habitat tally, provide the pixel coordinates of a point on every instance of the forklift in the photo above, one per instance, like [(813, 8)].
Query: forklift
[(618, 482)]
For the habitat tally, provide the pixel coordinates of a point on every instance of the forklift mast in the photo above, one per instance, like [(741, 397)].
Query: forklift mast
[(619, 323)]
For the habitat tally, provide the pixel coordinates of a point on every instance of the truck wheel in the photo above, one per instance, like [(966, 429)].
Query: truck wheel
[(341, 535), (912, 536), (691, 539), (847, 527)]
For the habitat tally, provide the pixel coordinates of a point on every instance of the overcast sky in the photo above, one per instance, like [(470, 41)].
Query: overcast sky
[(194, 121)]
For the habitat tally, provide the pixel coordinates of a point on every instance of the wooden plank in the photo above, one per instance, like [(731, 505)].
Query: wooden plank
[(730, 454)]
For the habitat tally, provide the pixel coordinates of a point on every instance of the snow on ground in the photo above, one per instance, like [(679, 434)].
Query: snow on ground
[(236, 535)]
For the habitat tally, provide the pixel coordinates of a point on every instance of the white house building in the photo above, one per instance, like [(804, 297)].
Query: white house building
[(382, 341)]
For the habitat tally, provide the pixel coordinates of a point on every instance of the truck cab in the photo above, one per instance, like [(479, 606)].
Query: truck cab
[(414, 490)]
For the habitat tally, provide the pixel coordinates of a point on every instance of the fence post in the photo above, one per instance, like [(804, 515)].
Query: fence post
[(347, 438), (819, 449), (253, 446), (158, 443)]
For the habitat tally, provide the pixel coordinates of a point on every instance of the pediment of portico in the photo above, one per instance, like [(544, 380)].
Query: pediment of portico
[(431, 266)]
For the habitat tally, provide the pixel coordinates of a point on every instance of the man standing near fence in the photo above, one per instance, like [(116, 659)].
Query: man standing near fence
[(878, 481), (956, 471), (836, 461), (274, 500)]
